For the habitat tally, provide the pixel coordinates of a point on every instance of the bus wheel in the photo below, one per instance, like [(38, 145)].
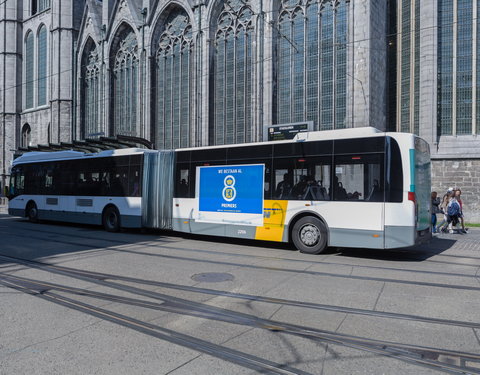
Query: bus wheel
[(32, 212), (111, 219), (309, 235)]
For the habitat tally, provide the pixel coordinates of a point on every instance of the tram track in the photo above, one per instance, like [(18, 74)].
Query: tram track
[(291, 270), (356, 253), (219, 351), (70, 272), (449, 361)]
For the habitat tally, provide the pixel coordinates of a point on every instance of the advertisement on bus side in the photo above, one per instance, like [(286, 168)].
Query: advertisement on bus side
[(231, 194)]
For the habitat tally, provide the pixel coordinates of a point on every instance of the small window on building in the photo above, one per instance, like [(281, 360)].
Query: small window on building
[(26, 135), (39, 6)]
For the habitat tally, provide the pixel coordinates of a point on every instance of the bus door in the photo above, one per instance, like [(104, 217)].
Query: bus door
[(58, 184)]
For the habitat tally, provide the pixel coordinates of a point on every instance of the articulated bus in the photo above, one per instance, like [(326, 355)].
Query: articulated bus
[(341, 188)]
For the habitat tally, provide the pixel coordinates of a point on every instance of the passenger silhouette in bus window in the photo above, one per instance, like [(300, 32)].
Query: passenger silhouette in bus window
[(284, 187), (183, 188)]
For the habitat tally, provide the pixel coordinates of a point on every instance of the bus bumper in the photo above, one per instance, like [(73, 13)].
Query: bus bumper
[(400, 236), (16, 212), (423, 236)]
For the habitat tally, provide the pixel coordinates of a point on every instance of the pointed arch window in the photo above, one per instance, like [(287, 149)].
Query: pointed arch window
[(233, 67), (91, 91), (26, 135), (173, 84), (312, 62), (29, 70), (42, 66), (125, 86)]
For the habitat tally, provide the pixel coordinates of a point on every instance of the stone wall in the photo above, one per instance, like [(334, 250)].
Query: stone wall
[(463, 174)]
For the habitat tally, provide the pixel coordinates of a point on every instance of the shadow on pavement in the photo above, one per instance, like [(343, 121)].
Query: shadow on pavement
[(22, 239), (54, 238), (416, 253)]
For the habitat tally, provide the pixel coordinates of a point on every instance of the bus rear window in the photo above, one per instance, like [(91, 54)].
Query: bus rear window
[(393, 172)]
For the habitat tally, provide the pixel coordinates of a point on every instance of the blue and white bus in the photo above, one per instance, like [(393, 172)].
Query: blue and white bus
[(342, 188)]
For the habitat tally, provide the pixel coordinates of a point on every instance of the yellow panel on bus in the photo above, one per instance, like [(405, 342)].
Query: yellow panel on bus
[(275, 213)]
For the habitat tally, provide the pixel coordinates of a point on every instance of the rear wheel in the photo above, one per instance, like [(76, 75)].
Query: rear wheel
[(111, 219), (32, 212), (309, 235)]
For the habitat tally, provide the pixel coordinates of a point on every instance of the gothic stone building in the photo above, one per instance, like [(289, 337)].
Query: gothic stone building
[(206, 72)]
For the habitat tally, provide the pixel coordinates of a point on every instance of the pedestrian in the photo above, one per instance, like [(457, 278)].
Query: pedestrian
[(458, 194), (442, 227), (435, 210), (453, 213)]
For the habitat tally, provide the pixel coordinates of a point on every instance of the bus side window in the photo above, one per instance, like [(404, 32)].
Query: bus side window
[(359, 177), (20, 182), (182, 181), (134, 187), (302, 178), (50, 179)]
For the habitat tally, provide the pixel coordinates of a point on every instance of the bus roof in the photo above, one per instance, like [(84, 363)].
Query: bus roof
[(367, 131), (38, 156), (337, 134)]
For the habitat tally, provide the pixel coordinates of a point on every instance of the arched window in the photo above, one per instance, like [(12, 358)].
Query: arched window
[(26, 136), (42, 66), (125, 86), (173, 73), (90, 91), (312, 62), (29, 70), (233, 66)]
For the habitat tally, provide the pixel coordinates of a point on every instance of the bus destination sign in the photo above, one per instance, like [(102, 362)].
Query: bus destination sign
[(283, 132)]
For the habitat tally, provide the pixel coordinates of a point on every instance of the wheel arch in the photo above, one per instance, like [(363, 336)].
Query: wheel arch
[(29, 203), (302, 214), (108, 205)]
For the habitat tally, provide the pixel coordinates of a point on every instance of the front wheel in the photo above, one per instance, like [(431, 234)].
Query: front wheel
[(32, 212), (309, 235), (111, 219)]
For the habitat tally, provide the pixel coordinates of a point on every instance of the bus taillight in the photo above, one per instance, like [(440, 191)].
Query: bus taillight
[(412, 197)]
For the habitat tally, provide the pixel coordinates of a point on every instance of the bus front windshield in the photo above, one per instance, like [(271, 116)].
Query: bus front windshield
[(17, 182)]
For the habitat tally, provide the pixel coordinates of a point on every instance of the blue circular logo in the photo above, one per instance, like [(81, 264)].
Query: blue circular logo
[(229, 192)]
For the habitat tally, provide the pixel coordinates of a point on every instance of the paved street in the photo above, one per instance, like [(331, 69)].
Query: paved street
[(78, 300)]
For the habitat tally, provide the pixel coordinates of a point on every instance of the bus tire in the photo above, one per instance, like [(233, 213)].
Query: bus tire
[(32, 212), (309, 235), (111, 219)]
